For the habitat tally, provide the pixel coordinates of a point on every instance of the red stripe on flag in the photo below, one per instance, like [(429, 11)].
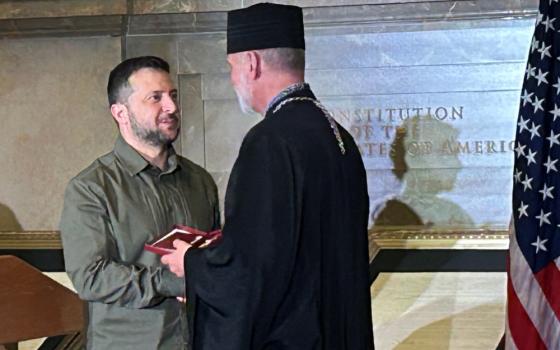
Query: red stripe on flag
[(523, 332), (549, 280)]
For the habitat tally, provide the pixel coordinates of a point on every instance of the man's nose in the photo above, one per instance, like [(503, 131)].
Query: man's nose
[(169, 105)]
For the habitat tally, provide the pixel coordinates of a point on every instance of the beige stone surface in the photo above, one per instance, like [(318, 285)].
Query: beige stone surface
[(55, 121), (192, 118), (164, 46), (438, 310), (12, 9), (179, 6), (176, 6), (202, 53), (225, 126), (316, 3)]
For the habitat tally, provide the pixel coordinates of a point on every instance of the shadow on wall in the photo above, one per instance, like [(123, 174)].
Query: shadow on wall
[(425, 161), (8, 220), (394, 212)]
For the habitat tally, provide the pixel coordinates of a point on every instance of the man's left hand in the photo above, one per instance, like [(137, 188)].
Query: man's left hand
[(175, 260)]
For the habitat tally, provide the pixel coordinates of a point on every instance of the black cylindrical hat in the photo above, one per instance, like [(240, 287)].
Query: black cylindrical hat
[(265, 26)]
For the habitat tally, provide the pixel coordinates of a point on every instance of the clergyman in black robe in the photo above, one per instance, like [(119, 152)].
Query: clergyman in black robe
[(291, 270)]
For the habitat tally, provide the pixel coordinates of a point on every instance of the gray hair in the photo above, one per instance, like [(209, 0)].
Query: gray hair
[(284, 58)]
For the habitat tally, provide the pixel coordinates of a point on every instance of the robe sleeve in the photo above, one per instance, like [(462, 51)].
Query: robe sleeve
[(248, 272), (90, 255)]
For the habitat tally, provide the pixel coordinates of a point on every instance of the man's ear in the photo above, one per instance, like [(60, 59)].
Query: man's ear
[(254, 61), (119, 113)]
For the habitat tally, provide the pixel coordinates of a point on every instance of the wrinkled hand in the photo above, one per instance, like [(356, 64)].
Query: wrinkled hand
[(175, 260)]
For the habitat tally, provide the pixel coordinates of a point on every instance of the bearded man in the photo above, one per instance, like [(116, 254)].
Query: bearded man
[(125, 198), (291, 271)]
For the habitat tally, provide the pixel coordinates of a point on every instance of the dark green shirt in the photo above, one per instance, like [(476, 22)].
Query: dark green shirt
[(110, 210)]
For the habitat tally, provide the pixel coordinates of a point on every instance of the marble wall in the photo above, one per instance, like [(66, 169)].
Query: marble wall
[(17, 9), (55, 121)]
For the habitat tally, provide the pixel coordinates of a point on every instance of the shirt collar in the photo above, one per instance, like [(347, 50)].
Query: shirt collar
[(172, 161), (134, 163)]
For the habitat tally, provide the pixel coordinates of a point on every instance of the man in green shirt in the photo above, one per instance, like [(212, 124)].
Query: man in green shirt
[(125, 198)]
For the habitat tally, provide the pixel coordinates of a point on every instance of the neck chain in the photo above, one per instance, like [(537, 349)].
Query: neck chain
[(326, 113), (287, 91)]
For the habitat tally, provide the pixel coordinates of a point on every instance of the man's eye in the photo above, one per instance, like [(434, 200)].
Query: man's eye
[(174, 96), (155, 98)]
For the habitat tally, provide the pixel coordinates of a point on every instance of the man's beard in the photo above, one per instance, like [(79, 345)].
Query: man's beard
[(242, 98), (154, 137)]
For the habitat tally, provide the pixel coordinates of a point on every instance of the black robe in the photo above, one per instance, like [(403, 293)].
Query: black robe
[(291, 271)]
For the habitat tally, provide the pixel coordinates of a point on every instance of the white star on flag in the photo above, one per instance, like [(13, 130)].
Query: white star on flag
[(539, 18), (547, 192), (539, 244), (520, 150), (557, 85), (523, 210), (526, 97), (541, 77), (538, 104), (517, 176), (543, 217), (534, 46), (534, 130), (522, 124), (548, 24), (555, 112), (544, 50), (553, 138), (550, 165), (527, 183), (529, 71), (531, 157)]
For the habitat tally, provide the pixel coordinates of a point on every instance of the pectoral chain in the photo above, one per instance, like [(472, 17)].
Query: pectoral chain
[(327, 114)]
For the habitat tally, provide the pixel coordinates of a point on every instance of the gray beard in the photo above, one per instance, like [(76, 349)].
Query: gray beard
[(243, 103)]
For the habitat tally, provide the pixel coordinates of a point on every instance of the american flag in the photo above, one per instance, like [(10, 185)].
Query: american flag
[(533, 289)]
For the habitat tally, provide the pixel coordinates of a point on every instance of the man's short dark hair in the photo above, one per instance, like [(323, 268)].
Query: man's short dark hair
[(118, 79)]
